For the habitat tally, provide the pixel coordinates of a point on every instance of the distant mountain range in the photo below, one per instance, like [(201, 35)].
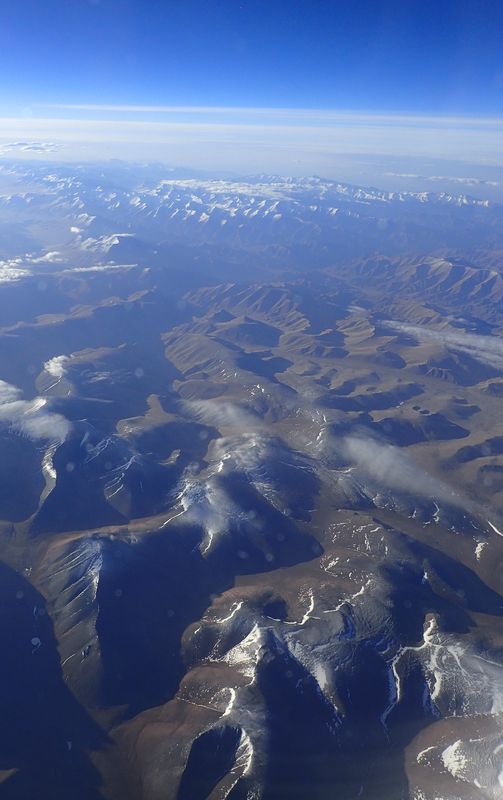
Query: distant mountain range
[(303, 220)]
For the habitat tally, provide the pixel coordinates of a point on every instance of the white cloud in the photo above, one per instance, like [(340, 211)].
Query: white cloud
[(51, 257), (57, 366), (31, 418), (11, 270), (14, 269), (101, 268), (8, 393)]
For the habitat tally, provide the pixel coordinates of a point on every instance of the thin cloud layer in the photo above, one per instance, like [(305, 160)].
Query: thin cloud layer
[(444, 178), (247, 139)]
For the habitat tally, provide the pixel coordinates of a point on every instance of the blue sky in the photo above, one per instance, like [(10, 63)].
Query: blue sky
[(206, 74), (395, 55)]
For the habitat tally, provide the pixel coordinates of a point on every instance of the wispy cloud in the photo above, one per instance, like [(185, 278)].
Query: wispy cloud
[(486, 349), (207, 504), (395, 473), (224, 414), (389, 467)]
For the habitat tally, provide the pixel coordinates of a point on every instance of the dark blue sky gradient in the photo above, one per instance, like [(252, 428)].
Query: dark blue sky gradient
[(389, 55)]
